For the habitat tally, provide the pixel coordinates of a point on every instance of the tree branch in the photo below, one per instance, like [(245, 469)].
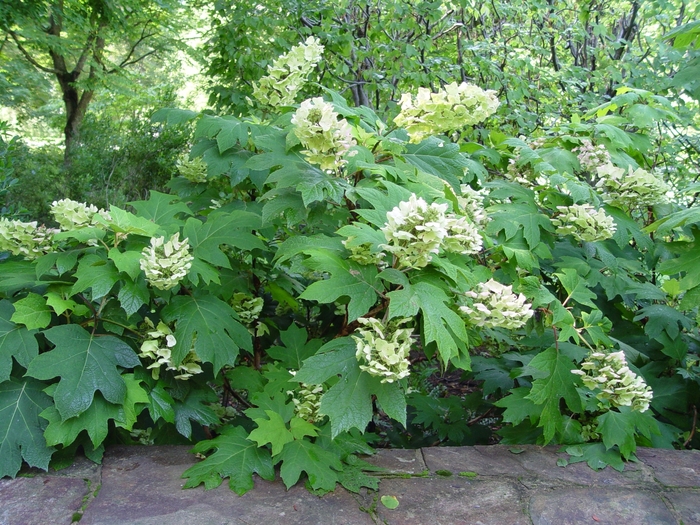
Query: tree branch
[(29, 57)]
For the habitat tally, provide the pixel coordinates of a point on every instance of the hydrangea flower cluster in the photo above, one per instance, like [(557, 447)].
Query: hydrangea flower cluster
[(286, 75), (495, 305), (71, 215), (307, 401), (159, 349), (166, 263), (325, 138), (471, 203), (25, 238), (618, 385), (382, 350), (194, 170), (362, 253), (591, 156), (415, 231), (584, 223), (247, 307), (451, 108), (630, 189)]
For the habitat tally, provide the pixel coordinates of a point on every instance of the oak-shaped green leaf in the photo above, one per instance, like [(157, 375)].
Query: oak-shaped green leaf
[(271, 430), (32, 312), (123, 221), (15, 341), (547, 391), (163, 209), (21, 428), (619, 428), (195, 407), (236, 458), (95, 420), (296, 348), (128, 262), (96, 273), (211, 325), (320, 466), (85, 363), (576, 287), (348, 279)]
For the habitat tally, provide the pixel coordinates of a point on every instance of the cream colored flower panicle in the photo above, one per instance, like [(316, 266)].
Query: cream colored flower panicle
[(71, 215), (363, 254), (471, 203), (25, 238), (166, 262), (325, 138), (628, 189), (158, 348), (591, 156), (247, 307), (286, 75), (307, 401), (415, 231), (194, 170), (618, 385), (382, 350), (452, 108), (584, 223), (495, 305)]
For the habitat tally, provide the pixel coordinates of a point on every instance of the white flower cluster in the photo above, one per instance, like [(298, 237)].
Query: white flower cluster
[(591, 156), (286, 75), (383, 350), (307, 401), (247, 307), (618, 385), (415, 231), (471, 203), (325, 138), (452, 108), (495, 305), (628, 189), (71, 215), (166, 263), (194, 170), (25, 238), (158, 348), (362, 253), (584, 223)]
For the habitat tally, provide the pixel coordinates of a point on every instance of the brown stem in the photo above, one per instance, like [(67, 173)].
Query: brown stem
[(692, 431)]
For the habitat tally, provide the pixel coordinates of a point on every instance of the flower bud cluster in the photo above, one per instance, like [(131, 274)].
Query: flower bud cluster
[(247, 307), (25, 238), (362, 253), (382, 350), (630, 189), (194, 170), (158, 348), (325, 138), (415, 231), (584, 223), (495, 305), (591, 156), (471, 203), (287, 75), (166, 263), (307, 401), (71, 215), (618, 385), (452, 108)]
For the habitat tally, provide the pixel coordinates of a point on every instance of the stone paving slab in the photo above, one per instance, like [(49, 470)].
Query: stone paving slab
[(487, 486)]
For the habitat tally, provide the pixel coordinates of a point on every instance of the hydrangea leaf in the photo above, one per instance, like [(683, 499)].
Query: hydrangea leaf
[(296, 348), (348, 403), (21, 428), (596, 455), (619, 428), (96, 273), (515, 216), (163, 210), (348, 279), (95, 420), (233, 229), (320, 466), (161, 404), (337, 357), (127, 262), (519, 406), (236, 458), (663, 318), (440, 158), (576, 287), (59, 304), (195, 407), (132, 296), (271, 430), (85, 363), (558, 383), (15, 341), (208, 324), (32, 312), (125, 222)]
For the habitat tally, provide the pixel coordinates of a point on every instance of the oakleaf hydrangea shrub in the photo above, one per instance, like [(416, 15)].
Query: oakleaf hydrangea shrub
[(315, 273)]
